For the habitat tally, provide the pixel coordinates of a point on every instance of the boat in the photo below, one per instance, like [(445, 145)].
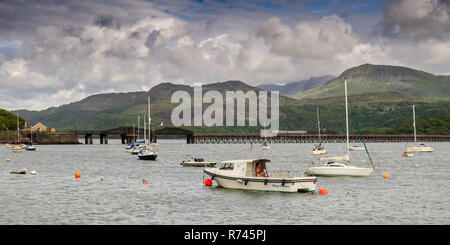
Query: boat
[(252, 174), (340, 166), (30, 147), (319, 149), (139, 144), (418, 147), (19, 171), (17, 148), (407, 154), (150, 150), (190, 161), (265, 146), (356, 148)]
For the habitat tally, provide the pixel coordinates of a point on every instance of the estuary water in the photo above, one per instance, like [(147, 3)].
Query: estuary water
[(175, 195)]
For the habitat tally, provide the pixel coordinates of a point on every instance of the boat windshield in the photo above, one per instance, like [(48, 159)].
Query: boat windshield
[(226, 166)]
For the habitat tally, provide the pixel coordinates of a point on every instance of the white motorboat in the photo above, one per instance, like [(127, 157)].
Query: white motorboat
[(356, 148), (319, 149), (418, 147), (340, 166), (253, 175), (190, 161)]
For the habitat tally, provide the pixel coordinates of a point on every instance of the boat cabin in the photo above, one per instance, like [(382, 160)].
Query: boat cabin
[(247, 168)]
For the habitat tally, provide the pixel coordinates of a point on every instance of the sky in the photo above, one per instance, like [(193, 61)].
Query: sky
[(57, 52)]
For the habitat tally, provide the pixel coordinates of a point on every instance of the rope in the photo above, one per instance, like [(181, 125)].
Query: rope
[(360, 134)]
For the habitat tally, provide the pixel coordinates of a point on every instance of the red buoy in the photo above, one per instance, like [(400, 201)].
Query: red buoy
[(77, 175), (208, 182), (323, 191)]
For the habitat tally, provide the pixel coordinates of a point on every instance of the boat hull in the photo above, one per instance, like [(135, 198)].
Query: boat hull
[(151, 157), (288, 185), (420, 149), (356, 148), (320, 152), (339, 171)]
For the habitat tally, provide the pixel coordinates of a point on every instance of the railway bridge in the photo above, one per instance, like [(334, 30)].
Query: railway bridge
[(128, 134)]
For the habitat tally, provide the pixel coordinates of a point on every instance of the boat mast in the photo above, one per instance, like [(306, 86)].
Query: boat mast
[(149, 122), (18, 137), (414, 124), (134, 134), (145, 131), (139, 124), (318, 124), (346, 116)]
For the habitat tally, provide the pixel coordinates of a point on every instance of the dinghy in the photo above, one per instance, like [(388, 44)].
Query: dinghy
[(19, 171)]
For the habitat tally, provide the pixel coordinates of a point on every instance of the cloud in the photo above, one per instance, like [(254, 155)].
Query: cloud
[(313, 39), (135, 45), (418, 20)]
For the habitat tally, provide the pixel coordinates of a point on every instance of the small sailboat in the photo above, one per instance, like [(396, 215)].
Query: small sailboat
[(319, 149), (418, 147), (340, 166), (138, 145), (265, 144), (31, 147), (17, 148), (252, 174), (150, 150)]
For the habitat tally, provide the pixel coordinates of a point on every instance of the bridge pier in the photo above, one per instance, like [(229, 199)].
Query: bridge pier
[(104, 138), (88, 139)]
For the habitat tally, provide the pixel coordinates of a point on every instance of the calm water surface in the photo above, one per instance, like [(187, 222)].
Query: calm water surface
[(176, 195)]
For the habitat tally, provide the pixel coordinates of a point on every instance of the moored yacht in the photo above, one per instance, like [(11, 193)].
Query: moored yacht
[(418, 147), (340, 166), (253, 175), (148, 151)]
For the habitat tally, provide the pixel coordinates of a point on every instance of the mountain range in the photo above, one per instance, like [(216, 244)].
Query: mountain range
[(381, 96), (294, 88)]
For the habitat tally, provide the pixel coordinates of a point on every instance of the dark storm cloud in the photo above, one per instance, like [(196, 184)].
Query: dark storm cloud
[(416, 20), (107, 21)]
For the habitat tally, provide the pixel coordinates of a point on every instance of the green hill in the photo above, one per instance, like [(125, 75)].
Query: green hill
[(8, 120), (382, 78), (377, 105)]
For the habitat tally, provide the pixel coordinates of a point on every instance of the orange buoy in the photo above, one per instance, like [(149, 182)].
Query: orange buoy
[(208, 182), (385, 176), (77, 175), (323, 191), (144, 181)]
